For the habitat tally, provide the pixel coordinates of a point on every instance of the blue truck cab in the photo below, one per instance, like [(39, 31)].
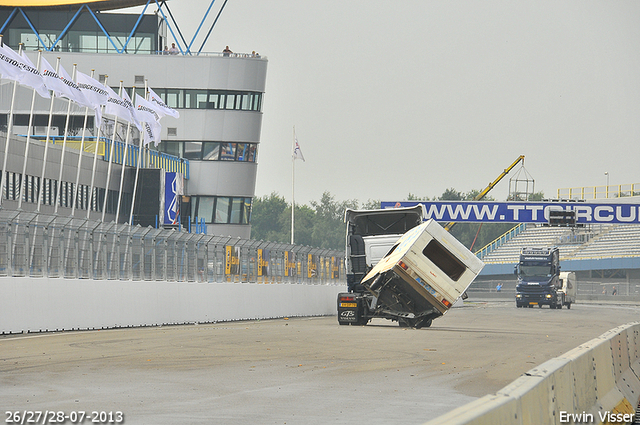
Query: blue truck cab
[(538, 272)]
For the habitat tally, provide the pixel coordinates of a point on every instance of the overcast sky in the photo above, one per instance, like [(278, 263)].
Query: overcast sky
[(417, 96)]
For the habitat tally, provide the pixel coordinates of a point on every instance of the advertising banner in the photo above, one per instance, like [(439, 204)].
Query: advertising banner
[(335, 268), (524, 212), (289, 263), (263, 264), (172, 193), (312, 266), (232, 260)]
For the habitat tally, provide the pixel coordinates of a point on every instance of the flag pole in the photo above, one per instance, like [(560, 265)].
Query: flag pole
[(140, 143), (95, 158), (4, 186), (46, 144), (26, 149), (64, 146), (74, 201), (293, 179), (113, 143), (124, 160)]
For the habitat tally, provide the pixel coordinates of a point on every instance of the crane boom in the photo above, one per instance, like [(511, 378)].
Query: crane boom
[(488, 188)]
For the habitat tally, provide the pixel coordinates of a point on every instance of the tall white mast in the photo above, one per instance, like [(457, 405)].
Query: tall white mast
[(293, 179)]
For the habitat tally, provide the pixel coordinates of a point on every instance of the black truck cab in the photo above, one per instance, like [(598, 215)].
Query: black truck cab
[(538, 272)]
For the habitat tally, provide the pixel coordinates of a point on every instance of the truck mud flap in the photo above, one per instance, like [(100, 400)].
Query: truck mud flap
[(349, 308)]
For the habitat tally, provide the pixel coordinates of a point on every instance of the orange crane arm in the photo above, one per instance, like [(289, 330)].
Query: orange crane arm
[(491, 185)]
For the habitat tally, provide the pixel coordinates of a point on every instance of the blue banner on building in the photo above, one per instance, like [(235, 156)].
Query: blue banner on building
[(523, 212), (172, 193)]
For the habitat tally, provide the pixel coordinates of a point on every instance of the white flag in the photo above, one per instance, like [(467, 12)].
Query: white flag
[(148, 114), (95, 93), (152, 132), (132, 110), (162, 108), (14, 67), (117, 106), (297, 152), (61, 83)]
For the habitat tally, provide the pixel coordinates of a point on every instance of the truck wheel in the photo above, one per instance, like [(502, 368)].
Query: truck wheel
[(518, 305), (552, 306)]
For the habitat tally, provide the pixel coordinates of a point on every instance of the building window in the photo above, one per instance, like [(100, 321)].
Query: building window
[(210, 151), (222, 210), (192, 150), (228, 210), (211, 99), (228, 152), (236, 210)]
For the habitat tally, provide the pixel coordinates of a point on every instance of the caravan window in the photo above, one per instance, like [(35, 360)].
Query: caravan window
[(444, 260)]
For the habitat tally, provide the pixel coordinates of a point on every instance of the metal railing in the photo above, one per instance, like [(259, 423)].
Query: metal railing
[(501, 240), (600, 192), (40, 245), (150, 158)]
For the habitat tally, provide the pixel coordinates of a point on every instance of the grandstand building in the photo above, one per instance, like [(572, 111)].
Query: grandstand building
[(602, 255), (213, 145)]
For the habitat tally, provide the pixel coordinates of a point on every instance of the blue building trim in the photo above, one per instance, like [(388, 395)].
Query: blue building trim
[(622, 263)]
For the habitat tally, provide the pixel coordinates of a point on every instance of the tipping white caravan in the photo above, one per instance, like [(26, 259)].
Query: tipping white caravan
[(419, 279)]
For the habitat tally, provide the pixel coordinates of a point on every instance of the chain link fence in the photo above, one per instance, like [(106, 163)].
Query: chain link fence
[(40, 245)]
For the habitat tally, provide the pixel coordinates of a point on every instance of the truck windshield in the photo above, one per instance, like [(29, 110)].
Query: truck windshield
[(535, 271)]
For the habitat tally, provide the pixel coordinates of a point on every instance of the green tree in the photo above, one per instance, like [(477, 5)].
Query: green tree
[(536, 196), (266, 218), (452, 195), (304, 221), (371, 204), (328, 226), (412, 197)]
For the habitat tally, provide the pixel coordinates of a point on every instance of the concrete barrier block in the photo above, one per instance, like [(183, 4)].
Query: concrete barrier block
[(535, 399), (563, 387), (620, 353), (603, 364), (633, 340), (559, 373), (584, 378), (629, 385), (487, 410)]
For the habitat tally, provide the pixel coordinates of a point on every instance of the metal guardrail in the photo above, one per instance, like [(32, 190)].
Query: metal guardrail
[(40, 245)]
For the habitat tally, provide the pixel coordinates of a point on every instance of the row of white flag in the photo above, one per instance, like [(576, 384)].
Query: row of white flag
[(87, 92)]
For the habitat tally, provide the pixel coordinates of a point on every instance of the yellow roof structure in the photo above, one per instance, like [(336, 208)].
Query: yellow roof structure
[(65, 4)]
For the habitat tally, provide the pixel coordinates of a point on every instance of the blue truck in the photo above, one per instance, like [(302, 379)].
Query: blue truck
[(539, 283)]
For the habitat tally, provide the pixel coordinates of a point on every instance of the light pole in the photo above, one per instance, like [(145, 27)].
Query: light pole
[(606, 173)]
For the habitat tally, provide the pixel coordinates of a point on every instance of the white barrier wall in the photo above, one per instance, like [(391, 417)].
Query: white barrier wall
[(31, 304), (598, 382)]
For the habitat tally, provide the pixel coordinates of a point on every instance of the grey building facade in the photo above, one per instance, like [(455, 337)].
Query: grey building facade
[(219, 98)]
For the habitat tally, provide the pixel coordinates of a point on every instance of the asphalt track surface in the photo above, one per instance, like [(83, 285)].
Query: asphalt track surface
[(292, 371)]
